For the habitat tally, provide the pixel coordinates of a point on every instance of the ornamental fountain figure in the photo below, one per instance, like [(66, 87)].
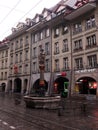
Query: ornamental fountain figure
[(40, 100), (42, 70)]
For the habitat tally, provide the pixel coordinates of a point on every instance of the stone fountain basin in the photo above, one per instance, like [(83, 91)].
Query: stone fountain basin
[(47, 102)]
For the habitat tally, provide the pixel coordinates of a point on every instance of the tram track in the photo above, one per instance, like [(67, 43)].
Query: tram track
[(37, 118), (36, 121)]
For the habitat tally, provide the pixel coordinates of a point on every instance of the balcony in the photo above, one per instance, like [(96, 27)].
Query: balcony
[(65, 69), (56, 52), (56, 35), (91, 46), (79, 68), (47, 53), (92, 67), (77, 31), (57, 70), (47, 69), (65, 50), (78, 49)]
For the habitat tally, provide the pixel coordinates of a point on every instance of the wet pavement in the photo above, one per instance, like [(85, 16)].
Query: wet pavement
[(71, 115)]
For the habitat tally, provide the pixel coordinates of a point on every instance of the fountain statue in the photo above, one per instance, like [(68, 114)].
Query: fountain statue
[(41, 100)]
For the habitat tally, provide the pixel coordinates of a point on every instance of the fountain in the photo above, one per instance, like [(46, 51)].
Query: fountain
[(41, 100)]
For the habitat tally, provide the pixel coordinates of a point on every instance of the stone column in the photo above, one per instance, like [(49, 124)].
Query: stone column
[(97, 90), (42, 70)]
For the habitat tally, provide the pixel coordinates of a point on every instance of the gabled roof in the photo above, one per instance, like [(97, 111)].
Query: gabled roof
[(80, 3), (48, 10)]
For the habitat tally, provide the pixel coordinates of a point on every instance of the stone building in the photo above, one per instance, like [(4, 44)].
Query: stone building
[(84, 37), (45, 35), (4, 64), (68, 36), (19, 64)]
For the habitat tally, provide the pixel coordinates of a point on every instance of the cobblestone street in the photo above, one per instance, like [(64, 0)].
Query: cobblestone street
[(71, 117)]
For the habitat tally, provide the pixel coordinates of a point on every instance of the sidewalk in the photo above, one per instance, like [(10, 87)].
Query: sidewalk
[(80, 114)]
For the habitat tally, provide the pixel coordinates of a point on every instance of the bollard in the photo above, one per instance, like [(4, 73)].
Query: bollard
[(83, 107), (59, 111)]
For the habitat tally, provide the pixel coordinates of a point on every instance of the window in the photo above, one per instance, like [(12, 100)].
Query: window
[(47, 65), (34, 52), (12, 45), (65, 63), (92, 61), (1, 75), (65, 45), (47, 32), (40, 47), (6, 53), (34, 67), (41, 35), (5, 75), (16, 45), (56, 32), (26, 55), (57, 65), (35, 38), (21, 42), (47, 48), (26, 68), (79, 63), (2, 54), (16, 58), (56, 48), (20, 69), (2, 65), (65, 29), (91, 41), (90, 22), (77, 28), (20, 56), (6, 63), (27, 40), (78, 44), (11, 60)]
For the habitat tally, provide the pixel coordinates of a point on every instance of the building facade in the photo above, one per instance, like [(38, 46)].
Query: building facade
[(19, 64), (4, 64), (68, 36), (84, 21)]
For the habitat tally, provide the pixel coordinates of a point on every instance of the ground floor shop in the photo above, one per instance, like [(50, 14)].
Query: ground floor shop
[(86, 81), (18, 84), (79, 82)]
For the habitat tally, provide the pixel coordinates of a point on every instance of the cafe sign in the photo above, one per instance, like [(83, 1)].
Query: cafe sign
[(85, 70)]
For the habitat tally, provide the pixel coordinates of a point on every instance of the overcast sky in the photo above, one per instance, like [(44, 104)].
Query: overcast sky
[(14, 11)]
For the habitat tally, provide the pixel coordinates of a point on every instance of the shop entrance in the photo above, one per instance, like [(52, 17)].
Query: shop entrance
[(17, 85), (61, 86), (86, 85)]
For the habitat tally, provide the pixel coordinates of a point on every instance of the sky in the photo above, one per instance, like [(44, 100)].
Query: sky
[(14, 11)]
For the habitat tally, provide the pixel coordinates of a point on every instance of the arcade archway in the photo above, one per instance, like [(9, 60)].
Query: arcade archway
[(36, 87), (25, 85), (3, 85), (17, 85), (59, 84), (86, 85), (10, 86)]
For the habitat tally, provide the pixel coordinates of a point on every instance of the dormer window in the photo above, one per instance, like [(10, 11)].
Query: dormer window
[(37, 19), (45, 14), (65, 29)]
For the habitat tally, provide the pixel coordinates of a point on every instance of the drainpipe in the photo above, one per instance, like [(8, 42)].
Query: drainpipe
[(51, 73), (30, 79), (71, 69)]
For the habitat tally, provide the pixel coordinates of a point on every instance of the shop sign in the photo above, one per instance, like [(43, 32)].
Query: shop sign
[(85, 70)]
